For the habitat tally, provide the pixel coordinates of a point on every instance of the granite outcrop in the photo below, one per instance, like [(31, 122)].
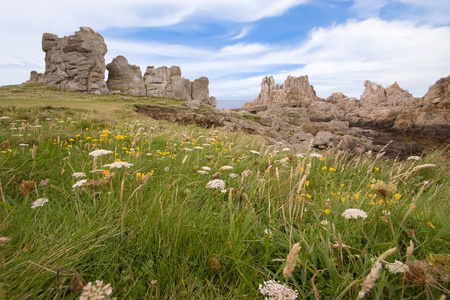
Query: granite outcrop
[(77, 63)]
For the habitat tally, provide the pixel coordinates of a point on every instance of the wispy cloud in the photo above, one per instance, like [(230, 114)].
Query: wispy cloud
[(246, 30)]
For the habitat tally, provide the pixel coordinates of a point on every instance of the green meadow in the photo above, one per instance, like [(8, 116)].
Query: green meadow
[(92, 191)]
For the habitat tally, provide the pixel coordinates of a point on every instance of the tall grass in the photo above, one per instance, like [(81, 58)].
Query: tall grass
[(154, 231)]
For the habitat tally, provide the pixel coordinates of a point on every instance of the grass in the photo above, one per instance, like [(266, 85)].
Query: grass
[(154, 231)]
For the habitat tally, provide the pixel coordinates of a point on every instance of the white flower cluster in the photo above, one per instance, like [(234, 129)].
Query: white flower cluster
[(39, 202), (226, 168), (79, 175), (317, 155), (254, 152), (233, 175), (274, 290), (96, 291), (216, 184), (397, 267), (99, 152), (118, 164), (246, 173), (354, 213), (79, 183)]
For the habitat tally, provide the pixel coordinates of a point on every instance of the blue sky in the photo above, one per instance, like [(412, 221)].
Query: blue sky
[(235, 43)]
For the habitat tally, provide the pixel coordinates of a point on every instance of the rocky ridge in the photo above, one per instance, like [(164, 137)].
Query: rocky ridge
[(77, 63)]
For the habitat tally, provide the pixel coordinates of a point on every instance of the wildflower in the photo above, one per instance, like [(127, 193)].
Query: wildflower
[(254, 152), (327, 211), (202, 172), (354, 213), (99, 152), (233, 175), (118, 164), (79, 183), (198, 148), (414, 158), (397, 267), (431, 224), (324, 168), (39, 202), (299, 155), (343, 199), (386, 212), (398, 196), (79, 175), (291, 260), (216, 184), (377, 169), (286, 149), (317, 155), (273, 290), (384, 189), (246, 173), (332, 169), (96, 291), (268, 232), (308, 196), (206, 168), (24, 145)]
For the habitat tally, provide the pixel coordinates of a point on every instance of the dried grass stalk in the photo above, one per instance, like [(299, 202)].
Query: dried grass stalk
[(291, 260), (369, 281)]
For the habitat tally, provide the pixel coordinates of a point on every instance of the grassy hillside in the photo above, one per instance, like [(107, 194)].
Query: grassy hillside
[(181, 212)]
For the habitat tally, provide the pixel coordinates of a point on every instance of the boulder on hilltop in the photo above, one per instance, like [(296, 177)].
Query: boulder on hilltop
[(77, 62), (125, 78)]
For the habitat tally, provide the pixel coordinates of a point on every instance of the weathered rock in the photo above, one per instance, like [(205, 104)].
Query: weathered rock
[(200, 90), (36, 77), (295, 89), (125, 78), (76, 62), (157, 81), (438, 95)]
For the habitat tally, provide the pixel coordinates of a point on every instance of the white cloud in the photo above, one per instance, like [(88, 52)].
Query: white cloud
[(246, 30)]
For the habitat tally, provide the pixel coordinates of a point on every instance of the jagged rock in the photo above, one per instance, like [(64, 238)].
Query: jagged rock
[(76, 62), (438, 95), (125, 78), (295, 89), (36, 77), (322, 139), (157, 81)]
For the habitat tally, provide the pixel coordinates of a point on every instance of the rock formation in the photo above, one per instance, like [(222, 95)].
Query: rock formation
[(125, 78), (77, 62), (294, 89), (382, 115)]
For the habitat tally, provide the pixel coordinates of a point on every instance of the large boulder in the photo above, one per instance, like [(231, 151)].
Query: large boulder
[(200, 90), (125, 78), (76, 62)]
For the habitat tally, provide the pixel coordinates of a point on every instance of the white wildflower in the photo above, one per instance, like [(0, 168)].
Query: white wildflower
[(202, 172), (317, 155), (216, 184), (254, 152), (414, 158), (187, 149), (226, 168), (286, 149), (4, 118), (99, 152), (198, 148), (386, 212), (268, 232), (79, 183), (24, 145), (118, 164), (397, 267), (206, 168), (224, 191), (39, 202), (354, 213), (96, 291), (299, 155), (273, 290), (283, 161), (324, 222), (79, 175), (233, 175), (166, 169), (246, 173)]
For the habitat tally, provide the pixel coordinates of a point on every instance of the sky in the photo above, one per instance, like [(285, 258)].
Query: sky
[(235, 43)]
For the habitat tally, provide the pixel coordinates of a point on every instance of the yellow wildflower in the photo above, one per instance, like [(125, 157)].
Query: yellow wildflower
[(398, 196), (327, 211), (431, 224)]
